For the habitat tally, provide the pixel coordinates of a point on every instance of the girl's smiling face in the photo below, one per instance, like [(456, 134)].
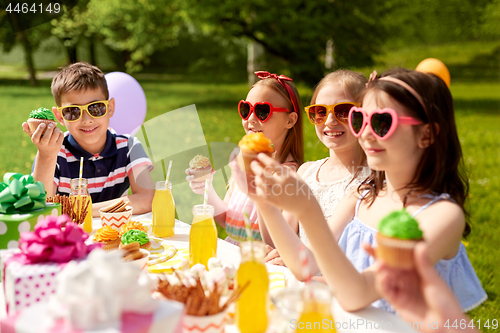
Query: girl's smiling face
[(276, 127), (401, 151), (334, 135)]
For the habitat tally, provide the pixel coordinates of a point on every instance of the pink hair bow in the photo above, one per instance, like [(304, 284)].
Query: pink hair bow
[(281, 79)]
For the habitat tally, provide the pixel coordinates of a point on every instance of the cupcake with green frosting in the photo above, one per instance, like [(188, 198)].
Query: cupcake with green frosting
[(37, 117), (398, 234), (138, 236)]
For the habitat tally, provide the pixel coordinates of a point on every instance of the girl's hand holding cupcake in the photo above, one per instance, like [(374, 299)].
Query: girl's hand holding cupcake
[(275, 184)]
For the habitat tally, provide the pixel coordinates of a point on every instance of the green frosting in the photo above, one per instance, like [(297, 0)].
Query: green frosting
[(401, 225), (134, 235), (42, 113)]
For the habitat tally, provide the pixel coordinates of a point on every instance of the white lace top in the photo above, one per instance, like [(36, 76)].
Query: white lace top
[(327, 194)]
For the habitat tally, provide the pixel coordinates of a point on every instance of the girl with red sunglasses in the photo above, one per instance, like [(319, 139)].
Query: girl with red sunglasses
[(272, 106), (407, 129)]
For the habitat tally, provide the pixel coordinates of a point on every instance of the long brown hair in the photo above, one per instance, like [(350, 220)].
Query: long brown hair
[(441, 168), (294, 140)]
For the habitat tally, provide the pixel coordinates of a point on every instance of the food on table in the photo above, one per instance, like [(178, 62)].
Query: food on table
[(250, 146), (398, 234), (117, 207), (132, 251), (107, 236), (139, 236), (37, 117), (197, 300), (80, 197), (76, 210), (200, 167), (132, 225)]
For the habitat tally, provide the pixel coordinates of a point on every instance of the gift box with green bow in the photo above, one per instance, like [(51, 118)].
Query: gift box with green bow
[(22, 205)]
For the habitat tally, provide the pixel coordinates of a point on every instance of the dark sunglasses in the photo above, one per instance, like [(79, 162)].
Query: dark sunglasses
[(318, 113), (262, 110), (74, 112)]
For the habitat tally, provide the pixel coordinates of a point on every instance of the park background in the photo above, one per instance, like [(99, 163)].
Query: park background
[(200, 52)]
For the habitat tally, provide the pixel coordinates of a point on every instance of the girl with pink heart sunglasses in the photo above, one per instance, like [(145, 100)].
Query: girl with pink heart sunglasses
[(413, 149)]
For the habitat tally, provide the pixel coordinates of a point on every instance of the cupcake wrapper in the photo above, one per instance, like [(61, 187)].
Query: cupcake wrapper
[(397, 253), (146, 246), (111, 245), (33, 124), (245, 158), (201, 175)]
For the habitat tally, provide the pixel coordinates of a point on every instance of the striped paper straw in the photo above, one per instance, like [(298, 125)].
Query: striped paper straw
[(248, 230), (168, 172), (81, 174), (205, 196), (305, 263)]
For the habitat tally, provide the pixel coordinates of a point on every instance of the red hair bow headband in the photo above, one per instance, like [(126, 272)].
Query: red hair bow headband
[(281, 79)]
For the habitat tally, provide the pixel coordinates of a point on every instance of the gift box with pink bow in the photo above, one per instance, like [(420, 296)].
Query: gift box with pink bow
[(29, 272), (22, 205), (100, 294)]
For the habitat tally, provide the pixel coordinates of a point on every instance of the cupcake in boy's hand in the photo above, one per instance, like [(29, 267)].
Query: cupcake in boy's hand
[(200, 167), (42, 115), (135, 235), (107, 236), (250, 146), (398, 234)]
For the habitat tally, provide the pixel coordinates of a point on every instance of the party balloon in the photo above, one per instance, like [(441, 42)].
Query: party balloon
[(130, 103), (436, 67)]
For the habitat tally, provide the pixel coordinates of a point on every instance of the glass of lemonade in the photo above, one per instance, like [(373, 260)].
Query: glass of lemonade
[(252, 308), (163, 210), (202, 236)]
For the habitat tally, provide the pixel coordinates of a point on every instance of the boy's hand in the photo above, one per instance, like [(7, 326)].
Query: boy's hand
[(50, 142)]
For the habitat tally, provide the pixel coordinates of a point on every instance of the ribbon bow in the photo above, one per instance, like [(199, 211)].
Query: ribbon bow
[(18, 192), (373, 77), (281, 79), (266, 75), (49, 243)]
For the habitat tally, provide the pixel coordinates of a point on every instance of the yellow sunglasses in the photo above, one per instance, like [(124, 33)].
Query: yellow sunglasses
[(318, 113), (95, 109)]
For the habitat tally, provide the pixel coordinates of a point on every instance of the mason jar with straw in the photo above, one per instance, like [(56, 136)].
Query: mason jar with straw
[(252, 308), (163, 208), (203, 233), (80, 196)]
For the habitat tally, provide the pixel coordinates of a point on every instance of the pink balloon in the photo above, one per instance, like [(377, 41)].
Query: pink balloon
[(130, 103)]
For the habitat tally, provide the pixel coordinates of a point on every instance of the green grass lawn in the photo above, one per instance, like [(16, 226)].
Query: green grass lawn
[(476, 95)]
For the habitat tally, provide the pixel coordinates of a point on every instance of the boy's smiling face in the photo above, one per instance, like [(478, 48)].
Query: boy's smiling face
[(89, 132)]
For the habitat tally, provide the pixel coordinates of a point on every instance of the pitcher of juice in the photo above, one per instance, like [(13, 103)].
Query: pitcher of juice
[(79, 191), (252, 308), (316, 313), (202, 236), (163, 210)]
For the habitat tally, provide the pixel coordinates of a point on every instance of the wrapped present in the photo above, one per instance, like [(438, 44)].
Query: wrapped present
[(100, 294), (37, 319), (29, 273), (22, 205)]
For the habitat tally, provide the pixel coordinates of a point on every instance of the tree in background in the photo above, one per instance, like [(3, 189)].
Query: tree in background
[(137, 28), (30, 39), (297, 31)]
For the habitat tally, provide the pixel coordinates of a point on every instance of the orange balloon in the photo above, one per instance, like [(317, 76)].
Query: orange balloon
[(435, 66)]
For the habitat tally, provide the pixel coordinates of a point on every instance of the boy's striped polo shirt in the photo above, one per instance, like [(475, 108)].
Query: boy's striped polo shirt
[(107, 172)]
